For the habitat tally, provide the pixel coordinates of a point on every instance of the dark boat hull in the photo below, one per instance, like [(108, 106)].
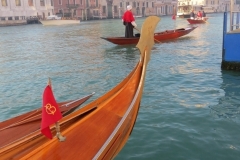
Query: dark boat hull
[(158, 36)]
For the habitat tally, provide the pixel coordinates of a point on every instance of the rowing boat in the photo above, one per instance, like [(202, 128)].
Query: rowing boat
[(158, 36), (21, 126), (101, 128), (197, 21)]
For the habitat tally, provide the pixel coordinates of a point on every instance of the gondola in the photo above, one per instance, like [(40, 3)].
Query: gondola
[(22, 125), (197, 21), (158, 36), (101, 128)]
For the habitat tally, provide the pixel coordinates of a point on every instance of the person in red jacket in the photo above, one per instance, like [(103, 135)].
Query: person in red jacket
[(199, 15), (129, 22)]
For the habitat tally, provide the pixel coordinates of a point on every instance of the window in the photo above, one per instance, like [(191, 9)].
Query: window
[(3, 19), (121, 4), (134, 4), (10, 18), (4, 2), (147, 4), (152, 4), (30, 2), (18, 2), (42, 3), (104, 10), (51, 2), (16, 18), (60, 2)]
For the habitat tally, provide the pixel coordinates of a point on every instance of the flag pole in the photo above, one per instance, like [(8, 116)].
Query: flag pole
[(58, 134)]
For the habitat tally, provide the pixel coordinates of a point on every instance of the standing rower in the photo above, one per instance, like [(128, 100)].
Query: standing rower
[(129, 22)]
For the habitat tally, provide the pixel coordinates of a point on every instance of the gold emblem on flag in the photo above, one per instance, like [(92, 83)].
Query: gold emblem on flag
[(50, 109)]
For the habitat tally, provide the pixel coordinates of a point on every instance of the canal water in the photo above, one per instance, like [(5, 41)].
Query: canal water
[(189, 109)]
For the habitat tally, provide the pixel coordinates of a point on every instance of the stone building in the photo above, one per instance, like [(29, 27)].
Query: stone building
[(14, 12), (71, 8), (115, 9), (165, 7)]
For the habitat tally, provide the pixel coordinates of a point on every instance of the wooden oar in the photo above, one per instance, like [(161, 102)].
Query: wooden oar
[(154, 38)]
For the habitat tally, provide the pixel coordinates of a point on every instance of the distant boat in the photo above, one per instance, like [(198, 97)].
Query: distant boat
[(158, 36), (184, 8), (101, 128), (55, 20), (197, 21)]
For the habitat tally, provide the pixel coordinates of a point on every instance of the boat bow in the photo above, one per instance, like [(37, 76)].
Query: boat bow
[(101, 128)]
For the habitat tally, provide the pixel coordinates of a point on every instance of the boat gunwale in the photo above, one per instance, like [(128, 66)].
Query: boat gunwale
[(114, 89), (36, 133), (130, 108), (75, 114)]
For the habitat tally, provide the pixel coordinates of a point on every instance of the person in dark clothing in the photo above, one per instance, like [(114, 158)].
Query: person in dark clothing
[(203, 14), (129, 22), (192, 15)]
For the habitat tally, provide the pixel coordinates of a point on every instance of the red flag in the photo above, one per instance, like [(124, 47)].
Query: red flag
[(50, 112)]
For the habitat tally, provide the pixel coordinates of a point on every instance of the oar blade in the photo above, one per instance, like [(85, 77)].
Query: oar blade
[(146, 40)]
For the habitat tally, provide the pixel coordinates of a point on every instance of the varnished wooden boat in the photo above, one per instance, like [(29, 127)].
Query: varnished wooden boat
[(197, 21), (23, 125), (158, 36), (101, 128)]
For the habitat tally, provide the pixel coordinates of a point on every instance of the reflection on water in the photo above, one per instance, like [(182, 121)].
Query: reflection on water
[(228, 105)]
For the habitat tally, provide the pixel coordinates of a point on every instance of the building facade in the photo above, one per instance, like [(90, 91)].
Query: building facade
[(166, 7), (70, 8), (18, 11), (116, 9)]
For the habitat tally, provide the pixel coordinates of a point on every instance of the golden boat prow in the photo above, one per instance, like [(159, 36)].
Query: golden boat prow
[(101, 128)]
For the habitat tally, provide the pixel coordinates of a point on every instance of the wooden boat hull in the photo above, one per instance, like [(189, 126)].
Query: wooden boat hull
[(158, 36), (100, 129), (23, 125), (197, 21), (58, 22)]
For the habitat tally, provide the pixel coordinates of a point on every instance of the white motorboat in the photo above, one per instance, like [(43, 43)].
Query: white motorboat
[(55, 20)]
